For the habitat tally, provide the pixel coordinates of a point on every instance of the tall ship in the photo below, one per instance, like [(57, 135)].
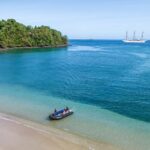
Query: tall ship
[(134, 40)]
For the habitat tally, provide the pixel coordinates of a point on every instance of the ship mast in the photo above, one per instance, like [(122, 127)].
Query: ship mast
[(134, 35), (127, 35), (142, 36)]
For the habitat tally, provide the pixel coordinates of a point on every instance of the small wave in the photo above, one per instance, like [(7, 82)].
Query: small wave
[(140, 55), (65, 129), (143, 68), (9, 119), (91, 148)]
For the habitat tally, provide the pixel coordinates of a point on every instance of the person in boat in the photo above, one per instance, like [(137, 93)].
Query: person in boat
[(53, 114), (66, 109), (55, 110)]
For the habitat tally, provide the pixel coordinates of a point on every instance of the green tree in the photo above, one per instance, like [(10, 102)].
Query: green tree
[(15, 34)]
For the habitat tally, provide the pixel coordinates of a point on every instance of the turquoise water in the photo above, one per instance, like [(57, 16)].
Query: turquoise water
[(106, 83)]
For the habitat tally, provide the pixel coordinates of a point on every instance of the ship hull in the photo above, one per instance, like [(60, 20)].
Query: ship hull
[(134, 41)]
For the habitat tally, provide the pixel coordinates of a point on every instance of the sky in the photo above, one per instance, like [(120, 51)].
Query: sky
[(83, 19)]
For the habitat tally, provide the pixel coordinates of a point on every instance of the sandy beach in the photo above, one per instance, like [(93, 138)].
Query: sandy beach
[(18, 134)]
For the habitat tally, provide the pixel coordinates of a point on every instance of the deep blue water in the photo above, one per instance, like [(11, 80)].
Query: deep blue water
[(108, 74)]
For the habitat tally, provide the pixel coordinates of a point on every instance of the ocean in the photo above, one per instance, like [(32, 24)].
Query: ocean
[(105, 82)]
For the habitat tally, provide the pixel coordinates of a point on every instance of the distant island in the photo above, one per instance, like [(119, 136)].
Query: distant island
[(17, 35)]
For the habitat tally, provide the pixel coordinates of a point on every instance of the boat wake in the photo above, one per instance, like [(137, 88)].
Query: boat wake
[(84, 48)]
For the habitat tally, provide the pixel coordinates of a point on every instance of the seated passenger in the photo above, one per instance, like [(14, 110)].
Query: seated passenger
[(55, 110), (67, 108)]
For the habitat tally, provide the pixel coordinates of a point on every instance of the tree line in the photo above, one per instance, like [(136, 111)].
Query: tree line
[(15, 34)]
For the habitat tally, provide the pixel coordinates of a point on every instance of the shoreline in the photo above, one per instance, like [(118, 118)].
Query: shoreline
[(13, 48), (36, 136)]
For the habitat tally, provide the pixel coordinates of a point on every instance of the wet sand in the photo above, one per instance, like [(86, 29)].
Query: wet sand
[(19, 134)]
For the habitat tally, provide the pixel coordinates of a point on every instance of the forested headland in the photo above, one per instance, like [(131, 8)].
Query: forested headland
[(17, 35)]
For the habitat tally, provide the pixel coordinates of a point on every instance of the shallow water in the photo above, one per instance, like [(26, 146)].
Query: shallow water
[(106, 83)]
